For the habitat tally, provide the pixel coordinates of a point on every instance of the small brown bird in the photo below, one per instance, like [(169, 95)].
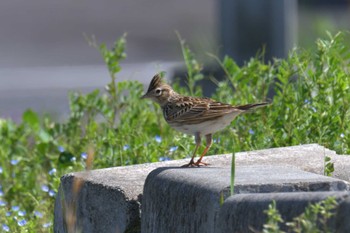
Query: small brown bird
[(192, 115)]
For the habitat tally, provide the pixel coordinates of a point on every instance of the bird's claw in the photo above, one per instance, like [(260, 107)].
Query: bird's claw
[(199, 163), (190, 164), (195, 164)]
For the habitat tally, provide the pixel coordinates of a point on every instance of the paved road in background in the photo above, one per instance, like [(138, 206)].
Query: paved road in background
[(44, 55), (45, 89)]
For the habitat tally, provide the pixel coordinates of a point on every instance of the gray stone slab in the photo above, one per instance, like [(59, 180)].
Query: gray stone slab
[(188, 200), (109, 199), (266, 179), (308, 157), (94, 207), (127, 183), (342, 224), (245, 212)]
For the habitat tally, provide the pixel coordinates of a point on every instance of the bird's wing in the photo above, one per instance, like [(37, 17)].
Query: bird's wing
[(192, 110)]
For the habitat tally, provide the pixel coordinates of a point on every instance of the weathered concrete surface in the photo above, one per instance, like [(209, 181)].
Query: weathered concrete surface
[(94, 206), (109, 199), (121, 187), (305, 157), (188, 200), (342, 223), (245, 212), (118, 188)]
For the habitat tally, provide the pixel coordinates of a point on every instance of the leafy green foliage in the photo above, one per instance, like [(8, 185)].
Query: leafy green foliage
[(310, 102), (194, 69), (310, 105), (328, 166), (34, 154), (274, 219), (315, 219)]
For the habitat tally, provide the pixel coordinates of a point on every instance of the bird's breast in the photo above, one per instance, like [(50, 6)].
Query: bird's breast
[(205, 127)]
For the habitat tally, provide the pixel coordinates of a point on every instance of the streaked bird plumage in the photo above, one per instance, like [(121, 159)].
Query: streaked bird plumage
[(193, 115)]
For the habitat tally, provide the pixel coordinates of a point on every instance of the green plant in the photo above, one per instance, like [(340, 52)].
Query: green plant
[(194, 69), (233, 174), (274, 219), (39, 151), (314, 219), (310, 105), (310, 101), (328, 166)]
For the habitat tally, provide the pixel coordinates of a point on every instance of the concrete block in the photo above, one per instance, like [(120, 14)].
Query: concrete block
[(305, 157), (342, 224), (245, 212), (108, 200), (188, 200), (84, 205), (117, 192), (308, 157)]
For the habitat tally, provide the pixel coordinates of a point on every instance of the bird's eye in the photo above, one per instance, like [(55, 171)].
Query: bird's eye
[(158, 92)]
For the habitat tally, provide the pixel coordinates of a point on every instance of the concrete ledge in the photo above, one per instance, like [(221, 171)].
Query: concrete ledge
[(245, 212), (189, 200), (93, 207), (110, 199), (305, 157)]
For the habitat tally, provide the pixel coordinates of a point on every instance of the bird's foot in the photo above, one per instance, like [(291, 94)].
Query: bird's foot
[(195, 164), (200, 163), (190, 164)]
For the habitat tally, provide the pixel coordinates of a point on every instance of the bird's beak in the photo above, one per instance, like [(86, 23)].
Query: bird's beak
[(144, 96)]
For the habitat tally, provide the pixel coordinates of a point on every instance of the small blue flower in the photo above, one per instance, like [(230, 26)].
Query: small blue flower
[(15, 208), (126, 147), (45, 188), (173, 148), (52, 193), (1, 193), (342, 135), (306, 101), (8, 213), (5, 228), (46, 225), (162, 159), (251, 132), (158, 139), (84, 155), (2, 203), (1, 170), (60, 149), (14, 162), (52, 171), (216, 140), (38, 214), (73, 159), (21, 213), (22, 222)]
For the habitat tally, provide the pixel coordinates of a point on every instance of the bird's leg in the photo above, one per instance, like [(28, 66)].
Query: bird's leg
[(197, 139), (209, 142)]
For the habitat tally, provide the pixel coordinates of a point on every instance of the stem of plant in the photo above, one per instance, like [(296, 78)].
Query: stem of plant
[(233, 171)]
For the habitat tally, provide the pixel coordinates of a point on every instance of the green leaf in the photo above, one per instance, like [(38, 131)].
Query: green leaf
[(31, 118), (42, 147), (44, 136)]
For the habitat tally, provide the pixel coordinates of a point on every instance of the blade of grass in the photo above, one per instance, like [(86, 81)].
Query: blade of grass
[(233, 172)]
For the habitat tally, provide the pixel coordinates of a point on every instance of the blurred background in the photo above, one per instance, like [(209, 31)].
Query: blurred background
[(44, 53)]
